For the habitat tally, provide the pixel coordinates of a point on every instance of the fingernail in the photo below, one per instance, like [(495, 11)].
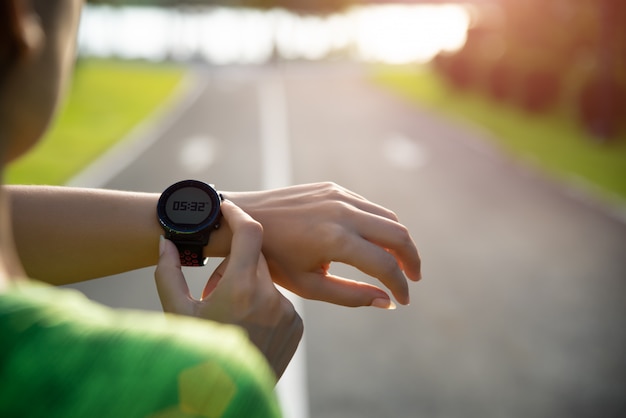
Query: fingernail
[(383, 303), (161, 245)]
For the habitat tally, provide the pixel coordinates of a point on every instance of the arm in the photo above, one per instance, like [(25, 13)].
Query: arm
[(96, 232), (306, 228)]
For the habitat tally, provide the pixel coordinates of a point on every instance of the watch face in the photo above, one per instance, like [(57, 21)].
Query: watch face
[(189, 206)]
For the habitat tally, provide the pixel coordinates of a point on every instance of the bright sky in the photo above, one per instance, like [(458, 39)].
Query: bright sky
[(390, 33)]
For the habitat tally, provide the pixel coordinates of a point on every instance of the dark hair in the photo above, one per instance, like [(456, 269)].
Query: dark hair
[(8, 46)]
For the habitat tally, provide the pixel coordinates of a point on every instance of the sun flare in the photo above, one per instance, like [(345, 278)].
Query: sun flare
[(400, 34), (395, 34)]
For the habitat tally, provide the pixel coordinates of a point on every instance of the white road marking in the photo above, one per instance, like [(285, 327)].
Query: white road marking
[(198, 153), (274, 134), (277, 172), (404, 153)]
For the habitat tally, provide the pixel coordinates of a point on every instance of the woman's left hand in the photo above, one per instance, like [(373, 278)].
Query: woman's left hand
[(306, 227)]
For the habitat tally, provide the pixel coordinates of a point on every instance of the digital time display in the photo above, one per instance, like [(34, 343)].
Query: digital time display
[(188, 205), (191, 206)]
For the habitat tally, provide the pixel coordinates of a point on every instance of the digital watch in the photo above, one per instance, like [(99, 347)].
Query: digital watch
[(189, 211)]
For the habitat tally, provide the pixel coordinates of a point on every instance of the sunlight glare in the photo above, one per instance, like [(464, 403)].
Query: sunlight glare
[(305, 37), (399, 34), (231, 35), (395, 34)]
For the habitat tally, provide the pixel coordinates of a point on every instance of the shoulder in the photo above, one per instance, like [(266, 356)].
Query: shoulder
[(126, 357)]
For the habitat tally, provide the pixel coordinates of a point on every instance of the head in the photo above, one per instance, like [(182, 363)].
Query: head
[(37, 48)]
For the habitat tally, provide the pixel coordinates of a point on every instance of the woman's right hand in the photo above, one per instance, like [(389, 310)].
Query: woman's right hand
[(240, 291)]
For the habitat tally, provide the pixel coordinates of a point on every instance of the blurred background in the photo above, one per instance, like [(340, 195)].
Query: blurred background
[(495, 129)]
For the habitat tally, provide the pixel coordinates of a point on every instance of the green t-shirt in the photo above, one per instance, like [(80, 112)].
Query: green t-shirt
[(62, 355)]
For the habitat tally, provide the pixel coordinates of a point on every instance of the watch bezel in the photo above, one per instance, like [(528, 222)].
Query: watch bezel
[(189, 229)]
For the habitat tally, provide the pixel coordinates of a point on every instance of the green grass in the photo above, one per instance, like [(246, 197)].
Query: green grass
[(554, 142), (106, 100)]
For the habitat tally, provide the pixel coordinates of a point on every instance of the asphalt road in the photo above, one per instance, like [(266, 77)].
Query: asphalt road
[(522, 309)]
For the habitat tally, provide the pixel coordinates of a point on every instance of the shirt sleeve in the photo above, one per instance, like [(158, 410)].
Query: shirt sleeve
[(64, 356)]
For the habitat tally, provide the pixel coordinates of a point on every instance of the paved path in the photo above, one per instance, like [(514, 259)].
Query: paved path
[(522, 310)]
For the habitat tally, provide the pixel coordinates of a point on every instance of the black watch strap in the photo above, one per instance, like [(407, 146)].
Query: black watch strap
[(191, 255)]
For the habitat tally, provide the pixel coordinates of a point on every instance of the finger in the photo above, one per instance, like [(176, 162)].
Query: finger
[(375, 261), (170, 281), (334, 289), (265, 290), (247, 238), (263, 272), (215, 278), (395, 238)]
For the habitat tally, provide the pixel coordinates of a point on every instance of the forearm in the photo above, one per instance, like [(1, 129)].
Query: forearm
[(65, 235)]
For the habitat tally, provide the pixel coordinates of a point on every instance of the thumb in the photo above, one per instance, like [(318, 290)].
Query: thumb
[(170, 281), (215, 279)]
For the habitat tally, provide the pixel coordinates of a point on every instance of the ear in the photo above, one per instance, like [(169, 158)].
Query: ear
[(21, 35)]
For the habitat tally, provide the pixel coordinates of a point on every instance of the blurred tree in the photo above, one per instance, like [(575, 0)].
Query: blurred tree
[(602, 100), (539, 54)]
